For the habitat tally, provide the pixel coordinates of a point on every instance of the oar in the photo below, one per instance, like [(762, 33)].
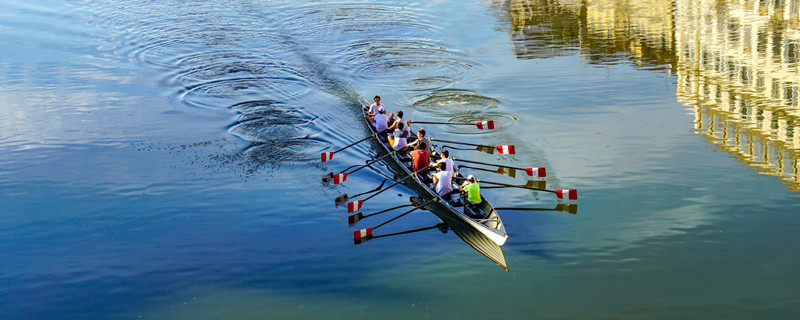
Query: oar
[(355, 205), (532, 184), (441, 226), (489, 124), (481, 149), (342, 176), (352, 219), (570, 194), (561, 207), (533, 172), (365, 233), (343, 198), (506, 149), (326, 156)]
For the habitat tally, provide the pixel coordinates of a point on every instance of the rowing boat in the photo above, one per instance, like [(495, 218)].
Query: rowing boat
[(485, 233)]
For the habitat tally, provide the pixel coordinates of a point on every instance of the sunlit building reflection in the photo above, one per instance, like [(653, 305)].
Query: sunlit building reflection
[(738, 70), (736, 61)]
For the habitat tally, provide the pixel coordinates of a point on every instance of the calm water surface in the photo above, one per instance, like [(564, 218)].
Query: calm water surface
[(160, 159)]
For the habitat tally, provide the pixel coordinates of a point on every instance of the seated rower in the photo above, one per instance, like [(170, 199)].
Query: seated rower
[(381, 120), (473, 196), (398, 138), (395, 125), (374, 111), (442, 180), (421, 157), (420, 138), (447, 161)]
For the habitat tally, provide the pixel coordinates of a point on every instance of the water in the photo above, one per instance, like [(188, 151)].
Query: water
[(161, 159)]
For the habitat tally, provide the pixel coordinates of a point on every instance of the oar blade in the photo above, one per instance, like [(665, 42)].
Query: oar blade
[(570, 194), (339, 178), (357, 241), (341, 199), (363, 233), (485, 125), (506, 149), (567, 208), (510, 172), (327, 156), (488, 150), (536, 184), (351, 220), (354, 206), (540, 172)]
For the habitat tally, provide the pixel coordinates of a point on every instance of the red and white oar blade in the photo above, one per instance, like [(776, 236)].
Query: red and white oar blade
[(355, 218), (570, 194), (339, 178), (363, 233), (327, 156), (506, 149), (511, 172), (489, 124), (536, 172), (354, 206)]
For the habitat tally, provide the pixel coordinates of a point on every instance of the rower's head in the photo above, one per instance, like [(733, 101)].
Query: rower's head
[(471, 178), (381, 110), (377, 99), (421, 146), (400, 126), (442, 166), (421, 133), (445, 153), (400, 114)]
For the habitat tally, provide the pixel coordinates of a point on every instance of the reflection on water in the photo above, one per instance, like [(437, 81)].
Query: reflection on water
[(736, 62), (738, 70)]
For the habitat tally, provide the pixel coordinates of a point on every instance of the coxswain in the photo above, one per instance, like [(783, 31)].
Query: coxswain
[(473, 194)]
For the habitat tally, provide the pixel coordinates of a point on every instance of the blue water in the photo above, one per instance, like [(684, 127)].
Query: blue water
[(161, 160)]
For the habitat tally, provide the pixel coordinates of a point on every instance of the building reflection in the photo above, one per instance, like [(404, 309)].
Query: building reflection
[(736, 61)]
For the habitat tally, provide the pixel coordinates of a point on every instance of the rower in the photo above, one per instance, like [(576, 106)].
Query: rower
[(443, 180), (398, 138), (421, 158), (396, 124), (447, 161), (421, 138), (381, 120), (473, 196)]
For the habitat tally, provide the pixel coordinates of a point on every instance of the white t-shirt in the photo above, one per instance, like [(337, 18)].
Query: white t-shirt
[(406, 125), (445, 183), (448, 163), (400, 141), (373, 109), (381, 121)]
